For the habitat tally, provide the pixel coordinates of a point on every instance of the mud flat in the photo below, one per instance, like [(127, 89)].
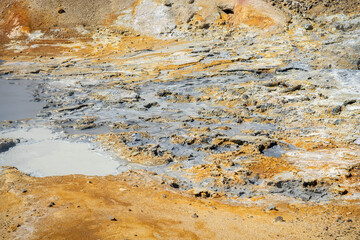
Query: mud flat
[(230, 120)]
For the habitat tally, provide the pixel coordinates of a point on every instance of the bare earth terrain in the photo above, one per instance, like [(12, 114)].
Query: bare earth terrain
[(180, 119)]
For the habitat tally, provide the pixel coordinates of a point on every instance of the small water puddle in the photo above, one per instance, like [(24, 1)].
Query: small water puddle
[(16, 101), (42, 153)]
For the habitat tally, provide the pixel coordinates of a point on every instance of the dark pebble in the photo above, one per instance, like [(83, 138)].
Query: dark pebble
[(279, 219), (272, 208), (194, 215), (174, 185)]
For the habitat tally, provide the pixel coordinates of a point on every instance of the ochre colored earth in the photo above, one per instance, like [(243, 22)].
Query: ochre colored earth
[(133, 206), (86, 41)]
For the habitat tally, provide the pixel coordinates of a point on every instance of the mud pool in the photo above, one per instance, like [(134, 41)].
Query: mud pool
[(16, 101), (42, 153)]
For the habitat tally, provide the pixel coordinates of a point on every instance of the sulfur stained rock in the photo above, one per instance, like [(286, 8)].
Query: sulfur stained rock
[(339, 190), (86, 122), (200, 192)]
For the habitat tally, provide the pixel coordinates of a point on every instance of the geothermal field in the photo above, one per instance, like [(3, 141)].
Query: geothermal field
[(180, 119)]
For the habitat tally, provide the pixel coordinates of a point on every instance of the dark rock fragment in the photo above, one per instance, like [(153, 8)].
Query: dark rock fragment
[(61, 11), (336, 110), (309, 27), (150, 105), (279, 219), (163, 93), (272, 208), (194, 215), (349, 102), (174, 185), (7, 143), (292, 89)]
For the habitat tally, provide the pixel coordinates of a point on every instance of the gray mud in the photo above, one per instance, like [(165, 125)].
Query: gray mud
[(16, 101), (42, 153), (260, 102)]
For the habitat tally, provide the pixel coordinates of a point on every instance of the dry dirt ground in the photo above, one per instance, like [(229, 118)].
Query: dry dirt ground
[(134, 206)]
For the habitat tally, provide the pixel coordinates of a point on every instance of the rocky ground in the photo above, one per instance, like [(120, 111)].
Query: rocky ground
[(247, 124)]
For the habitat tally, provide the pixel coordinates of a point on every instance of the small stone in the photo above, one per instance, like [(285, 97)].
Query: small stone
[(204, 26), (24, 191), (279, 219), (349, 102), (51, 204), (89, 181), (336, 110), (239, 120), (151, 104), (342, 191), (168, 3), (174, 185), (61, 11), (113, 219), (200, 192), (338, 121), (135, 153), (194, 215), (272, 208), (339, 26), (163, 93), (308, 27), (340, 220), (292, 89)]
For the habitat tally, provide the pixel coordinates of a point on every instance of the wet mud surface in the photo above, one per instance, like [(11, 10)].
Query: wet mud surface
[(16, 101), (232, 125), (242, 117), (40, 153)]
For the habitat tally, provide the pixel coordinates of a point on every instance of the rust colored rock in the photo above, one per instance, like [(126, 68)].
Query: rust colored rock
[(258, 13)]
